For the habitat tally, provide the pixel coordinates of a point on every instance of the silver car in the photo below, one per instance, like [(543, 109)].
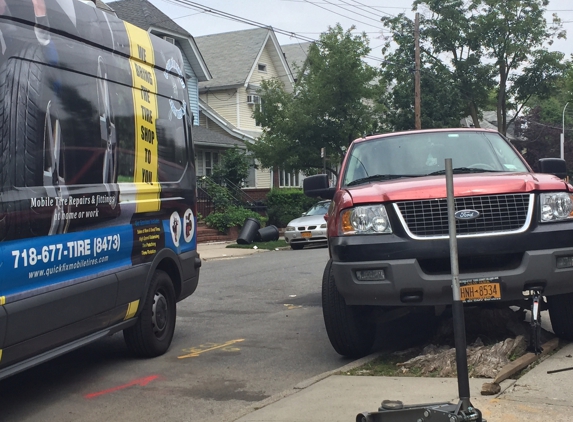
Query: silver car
[(308, 229)]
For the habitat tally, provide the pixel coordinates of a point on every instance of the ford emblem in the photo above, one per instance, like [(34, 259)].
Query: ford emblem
[(466, 215)]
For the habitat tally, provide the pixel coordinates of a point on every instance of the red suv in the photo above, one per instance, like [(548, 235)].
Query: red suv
[(388, 230)]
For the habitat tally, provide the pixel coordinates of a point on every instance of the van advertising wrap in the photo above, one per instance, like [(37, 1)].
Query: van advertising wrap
[(97, 180)]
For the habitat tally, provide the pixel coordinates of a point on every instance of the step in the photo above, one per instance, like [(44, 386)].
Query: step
[(206, 234)]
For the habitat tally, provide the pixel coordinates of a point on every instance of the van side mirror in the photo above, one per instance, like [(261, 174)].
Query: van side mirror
[(555, 166), (315, 186)]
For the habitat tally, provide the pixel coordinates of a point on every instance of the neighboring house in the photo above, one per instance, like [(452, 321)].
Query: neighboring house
[(239, 61), (489, 121)]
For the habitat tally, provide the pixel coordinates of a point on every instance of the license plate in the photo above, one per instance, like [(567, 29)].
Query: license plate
[(480, 290), (305, 234)]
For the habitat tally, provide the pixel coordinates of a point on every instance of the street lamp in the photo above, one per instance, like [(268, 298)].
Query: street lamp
[(563, 134)]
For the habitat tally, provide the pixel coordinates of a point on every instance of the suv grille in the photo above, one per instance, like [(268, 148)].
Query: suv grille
[(498, 214)]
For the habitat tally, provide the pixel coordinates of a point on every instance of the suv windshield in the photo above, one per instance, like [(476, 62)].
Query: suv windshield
[(422, 154)]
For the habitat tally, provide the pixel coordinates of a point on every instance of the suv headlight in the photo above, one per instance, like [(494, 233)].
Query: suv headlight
[(556, 206), (370, 219)]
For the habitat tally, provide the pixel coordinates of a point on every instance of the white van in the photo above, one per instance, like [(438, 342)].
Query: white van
[(97, 183)]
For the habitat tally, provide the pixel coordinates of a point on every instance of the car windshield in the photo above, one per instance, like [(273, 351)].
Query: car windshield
[(319, 209), (422, 154)]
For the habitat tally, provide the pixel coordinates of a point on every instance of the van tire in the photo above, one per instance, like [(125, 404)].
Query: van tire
[(23, 116), (561, 315), (351, 329), (152, 334)]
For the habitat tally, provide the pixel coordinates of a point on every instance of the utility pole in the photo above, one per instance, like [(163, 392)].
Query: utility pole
[(562, 143), (417, 112)]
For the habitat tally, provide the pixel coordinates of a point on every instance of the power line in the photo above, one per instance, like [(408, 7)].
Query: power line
[(344, 16), (230, 16)]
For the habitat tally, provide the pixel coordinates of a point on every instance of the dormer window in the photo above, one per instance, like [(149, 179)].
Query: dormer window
[(262, 68)]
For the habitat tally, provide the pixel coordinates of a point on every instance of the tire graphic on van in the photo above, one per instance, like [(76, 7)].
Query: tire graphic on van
[(55, 171), (107, 126), (31, 147)]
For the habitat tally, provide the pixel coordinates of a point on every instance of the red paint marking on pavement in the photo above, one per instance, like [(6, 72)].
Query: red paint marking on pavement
[(141, 382)]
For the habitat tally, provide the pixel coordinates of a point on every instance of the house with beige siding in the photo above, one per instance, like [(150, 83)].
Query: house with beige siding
[(238, 62)]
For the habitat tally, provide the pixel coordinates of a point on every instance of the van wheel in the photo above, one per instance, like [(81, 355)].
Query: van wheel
[(296, 246), (152, 334), (561, 315), (25, 116), (351, 329)]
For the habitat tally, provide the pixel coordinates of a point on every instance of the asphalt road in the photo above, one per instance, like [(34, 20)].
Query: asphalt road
[(253, 328)]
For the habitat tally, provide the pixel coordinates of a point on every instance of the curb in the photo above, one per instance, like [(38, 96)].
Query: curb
[(298, 387)]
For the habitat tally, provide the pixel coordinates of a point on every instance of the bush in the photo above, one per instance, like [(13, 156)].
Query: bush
[(284, 205), (232, 217), (220, 195)]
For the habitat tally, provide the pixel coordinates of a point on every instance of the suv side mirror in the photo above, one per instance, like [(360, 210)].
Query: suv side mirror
[(315, 186), (555, 166)]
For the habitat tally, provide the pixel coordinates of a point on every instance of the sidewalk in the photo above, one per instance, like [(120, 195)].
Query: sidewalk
[(219, 250), (535, 397)]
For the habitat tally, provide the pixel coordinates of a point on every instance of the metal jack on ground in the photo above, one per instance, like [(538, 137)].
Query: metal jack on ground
[(463, 411), (535, 340)]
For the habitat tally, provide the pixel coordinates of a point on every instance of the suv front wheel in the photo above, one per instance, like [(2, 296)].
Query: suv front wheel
[(561, 315), (351, 329)]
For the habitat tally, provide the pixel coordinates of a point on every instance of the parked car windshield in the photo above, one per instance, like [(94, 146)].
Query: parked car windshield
[(319, 209), (422, 154)]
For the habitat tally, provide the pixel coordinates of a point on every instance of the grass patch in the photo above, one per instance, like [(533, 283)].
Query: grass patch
[(261, 245)]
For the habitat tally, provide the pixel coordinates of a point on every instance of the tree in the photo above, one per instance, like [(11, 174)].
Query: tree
[(514, 34), (542, 125), (442, 105), (487, 45), (234, 167), (334, 102)]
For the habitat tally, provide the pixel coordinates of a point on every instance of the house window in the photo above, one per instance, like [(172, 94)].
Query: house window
[(206, 161), (289, 179), (262, 68)]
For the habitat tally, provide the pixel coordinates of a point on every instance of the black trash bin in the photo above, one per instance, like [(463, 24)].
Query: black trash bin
[(268, 234), (249, 231)]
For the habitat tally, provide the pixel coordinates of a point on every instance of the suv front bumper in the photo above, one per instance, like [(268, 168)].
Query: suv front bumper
[(407, 280)]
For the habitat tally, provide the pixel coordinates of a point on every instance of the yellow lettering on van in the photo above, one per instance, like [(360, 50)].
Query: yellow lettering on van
[(144, 88), (2, 300)]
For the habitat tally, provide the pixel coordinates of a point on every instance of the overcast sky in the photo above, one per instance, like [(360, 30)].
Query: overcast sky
[(309, 18)]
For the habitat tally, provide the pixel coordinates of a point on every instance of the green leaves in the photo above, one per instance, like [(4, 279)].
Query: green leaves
[(334, 102), (473, 49)]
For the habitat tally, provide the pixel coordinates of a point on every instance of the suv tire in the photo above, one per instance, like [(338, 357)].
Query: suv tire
[(351, 329), (561, 315)]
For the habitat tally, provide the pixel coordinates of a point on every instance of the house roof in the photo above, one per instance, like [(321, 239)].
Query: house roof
[(232, 57), (145, 15), (204, 136), (296, 54), (101, 5)]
